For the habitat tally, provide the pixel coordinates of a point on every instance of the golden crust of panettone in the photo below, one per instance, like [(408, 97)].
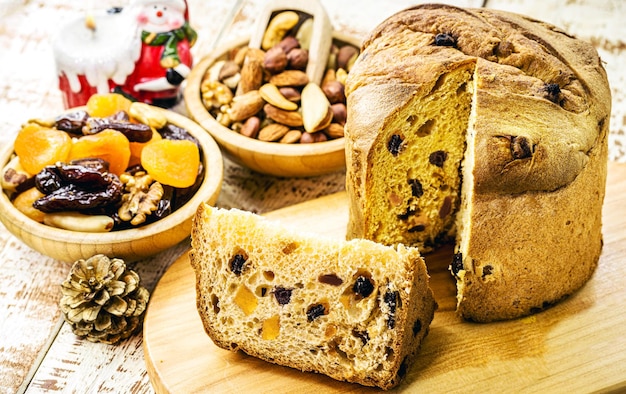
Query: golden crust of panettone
[(530, 213)]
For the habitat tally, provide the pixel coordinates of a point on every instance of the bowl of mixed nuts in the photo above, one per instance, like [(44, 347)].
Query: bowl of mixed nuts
[(116, 177), (263, 105)]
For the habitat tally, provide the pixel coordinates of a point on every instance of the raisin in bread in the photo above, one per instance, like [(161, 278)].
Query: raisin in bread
[(488, 129), (353, 310)]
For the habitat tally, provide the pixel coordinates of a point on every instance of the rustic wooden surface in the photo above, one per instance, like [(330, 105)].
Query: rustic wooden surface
[(38, 353), (577, 345)]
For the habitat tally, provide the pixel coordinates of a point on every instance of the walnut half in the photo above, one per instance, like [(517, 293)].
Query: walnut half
[(141, 197)]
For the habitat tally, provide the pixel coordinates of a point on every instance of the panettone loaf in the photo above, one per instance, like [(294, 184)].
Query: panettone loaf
[(353, 310), (486, 128)]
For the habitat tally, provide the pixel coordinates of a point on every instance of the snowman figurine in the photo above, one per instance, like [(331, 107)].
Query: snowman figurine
[(165, 58)]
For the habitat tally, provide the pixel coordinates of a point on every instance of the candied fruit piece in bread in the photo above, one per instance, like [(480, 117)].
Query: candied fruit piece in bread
[(353, 310), (488, 129)]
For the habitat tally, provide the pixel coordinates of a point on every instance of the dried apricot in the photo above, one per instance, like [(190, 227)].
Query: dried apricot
[(172, 162), (137, 147), (109, 145), (24, 203), (103, 105), (38, 146)]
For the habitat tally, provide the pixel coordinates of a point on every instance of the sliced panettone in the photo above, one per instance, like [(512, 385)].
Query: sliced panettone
[(353, 310)]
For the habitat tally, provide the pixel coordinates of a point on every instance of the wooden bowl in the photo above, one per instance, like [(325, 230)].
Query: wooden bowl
[(131, 244), (272, 158)]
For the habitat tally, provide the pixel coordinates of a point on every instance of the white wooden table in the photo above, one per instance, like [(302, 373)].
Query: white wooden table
[(38, 352)]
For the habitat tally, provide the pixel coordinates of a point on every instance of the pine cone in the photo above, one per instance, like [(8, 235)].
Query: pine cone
[(102, 300)]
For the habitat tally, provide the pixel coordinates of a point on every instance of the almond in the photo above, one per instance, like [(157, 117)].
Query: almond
[(245, 106), (289, 78), (251, 75), (278, 115), (334, 130), (291, 137), (272, 132)]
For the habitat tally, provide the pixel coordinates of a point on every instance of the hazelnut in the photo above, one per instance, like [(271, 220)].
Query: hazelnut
[(334, 91), (275, 60), (340, 113), (346, 56), (298, 58), (308, 138), (288, 43)]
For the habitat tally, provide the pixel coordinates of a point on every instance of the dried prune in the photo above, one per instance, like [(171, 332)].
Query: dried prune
[(394, 145), (72, 122), (85, 196), (553, 92), (457, 264), (437, 158), (237, 263), (164, 207), (363, 286), (282, 295), (416, 188), (135, 132), (86, 174), (445, 40), (521, 147), (48, 180), (315, 311), (391, 300), (88, 178), (173, 132), (95, 163)]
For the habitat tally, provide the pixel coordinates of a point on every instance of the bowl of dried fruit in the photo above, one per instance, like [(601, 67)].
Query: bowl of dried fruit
[(115, 178), (264, 107)]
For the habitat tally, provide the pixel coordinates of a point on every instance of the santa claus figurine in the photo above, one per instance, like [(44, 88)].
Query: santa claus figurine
[(165, 59)]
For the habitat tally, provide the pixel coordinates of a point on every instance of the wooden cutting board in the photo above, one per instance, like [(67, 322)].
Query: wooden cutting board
[(579, 345)]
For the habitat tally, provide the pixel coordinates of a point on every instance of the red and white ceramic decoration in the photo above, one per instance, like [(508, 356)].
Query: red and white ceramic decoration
[(165, 59), (142, 51), (93, 61)]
